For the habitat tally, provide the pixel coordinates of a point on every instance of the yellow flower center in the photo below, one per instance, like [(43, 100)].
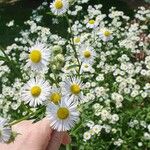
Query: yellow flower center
[(35, 56), (55, 97), (75, 89), (36, 91), (77, 40), (87, 54), (91, 21), (58, 4), (62, 113), (107, 33)]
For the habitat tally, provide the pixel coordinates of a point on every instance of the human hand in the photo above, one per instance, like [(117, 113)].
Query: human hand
[(36, 136)]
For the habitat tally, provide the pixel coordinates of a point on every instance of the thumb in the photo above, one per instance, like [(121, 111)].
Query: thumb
[(56, 140)]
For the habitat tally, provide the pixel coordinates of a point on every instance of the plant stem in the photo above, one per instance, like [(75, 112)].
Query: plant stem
[(76, 130), (72, 43), (26, 117), (68, 147)]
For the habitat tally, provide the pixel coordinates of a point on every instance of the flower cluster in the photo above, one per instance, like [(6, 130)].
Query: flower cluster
[(92, 80)]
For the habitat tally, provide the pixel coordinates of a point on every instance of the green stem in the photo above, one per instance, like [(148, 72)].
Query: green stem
[(55, 78), (68, 147), (26, 117), (3, 51), (72, 42), (76, 130)]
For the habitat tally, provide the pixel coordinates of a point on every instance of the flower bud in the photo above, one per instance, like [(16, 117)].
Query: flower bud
[(57, 49), (71, 2), (59, 58)]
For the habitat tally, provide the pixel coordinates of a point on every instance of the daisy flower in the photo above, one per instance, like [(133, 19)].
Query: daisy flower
[(85, 67), (63, 116), (59, 7), (55, 95), (35, 91), (5, 131), (105, 35), (72, 87), (92, 24), (87, 54), (77, 40), (38, 57)]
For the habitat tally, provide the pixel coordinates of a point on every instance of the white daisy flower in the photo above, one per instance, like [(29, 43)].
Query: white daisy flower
[(87, 54), (59, 7), (62, 117), (105, 34), (72, 87), (5, 131), (86, 136), (35, 91), (38, 57), (55, 95), (77, 40), (86, 67), (92, 24)]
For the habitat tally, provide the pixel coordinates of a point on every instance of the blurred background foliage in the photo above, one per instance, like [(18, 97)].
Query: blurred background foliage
[(20, 11)]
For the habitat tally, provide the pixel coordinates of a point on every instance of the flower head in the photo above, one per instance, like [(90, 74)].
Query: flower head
[(105, 34), (72, 87), (59, 7), (92, 23), (63, 116), (35, 92), (38, 57), (87, 54), (5, 131)]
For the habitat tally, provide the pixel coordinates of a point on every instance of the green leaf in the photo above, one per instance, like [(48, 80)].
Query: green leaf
[(73, 66)]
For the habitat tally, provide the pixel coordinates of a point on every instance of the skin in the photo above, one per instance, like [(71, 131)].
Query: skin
[(36, 136)]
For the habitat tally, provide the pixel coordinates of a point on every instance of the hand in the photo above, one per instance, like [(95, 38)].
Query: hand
[(37, 136)]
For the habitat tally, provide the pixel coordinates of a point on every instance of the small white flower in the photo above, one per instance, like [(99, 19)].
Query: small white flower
[(63, 116), (35, 92), (59, 7), (72, 87), (86, 136), (92, 24), (38, 57), (10, 24), (105, 35), (55, 95), (5, 131), (85, 67), (97, 128), (87, 54)]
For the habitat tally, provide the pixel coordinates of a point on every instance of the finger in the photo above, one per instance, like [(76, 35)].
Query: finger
[(24, 124), (66, 139), (42, 132), (56, 140)]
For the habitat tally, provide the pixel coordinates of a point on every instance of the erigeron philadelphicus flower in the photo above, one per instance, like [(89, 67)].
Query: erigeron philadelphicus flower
[(38, 57), (35, 91), (85, 67), (5, 131), (92, 24), (87, 54), (77, 40), (55, 95), (97, 128), (86, 136), (59, 7), (72, 87), (63, 116), (105, 34)]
